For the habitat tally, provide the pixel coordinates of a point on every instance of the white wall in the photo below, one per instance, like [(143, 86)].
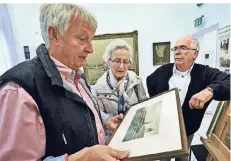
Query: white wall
[(154, 22)]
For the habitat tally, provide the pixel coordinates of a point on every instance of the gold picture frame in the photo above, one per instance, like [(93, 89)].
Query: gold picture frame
[(146, 124), (161, 53), (95, 66)]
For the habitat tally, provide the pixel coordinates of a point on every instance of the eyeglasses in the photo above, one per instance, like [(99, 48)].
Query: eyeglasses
[(117, 62), (182, 48)]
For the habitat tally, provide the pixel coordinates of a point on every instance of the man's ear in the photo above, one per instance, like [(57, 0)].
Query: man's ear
[(52, 33), (195, 54)]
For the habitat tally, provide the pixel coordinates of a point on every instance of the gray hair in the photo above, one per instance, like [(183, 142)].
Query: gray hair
[(113, 46), (60, 16), (194, 42)]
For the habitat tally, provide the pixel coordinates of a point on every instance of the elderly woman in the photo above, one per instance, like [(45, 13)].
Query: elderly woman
[(118, 88)]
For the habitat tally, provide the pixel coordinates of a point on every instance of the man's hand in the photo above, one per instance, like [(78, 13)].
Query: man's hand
[(98, 153), (112, 122), (198, 100)]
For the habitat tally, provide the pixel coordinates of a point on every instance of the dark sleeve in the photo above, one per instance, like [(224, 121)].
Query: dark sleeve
[(151, 83), (220, 83)]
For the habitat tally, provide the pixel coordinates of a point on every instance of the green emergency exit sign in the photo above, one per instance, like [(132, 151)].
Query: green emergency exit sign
[(198, 21)]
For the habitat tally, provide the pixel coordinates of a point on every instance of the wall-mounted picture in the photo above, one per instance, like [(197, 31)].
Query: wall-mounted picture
[(95, 66), (26, 52), (156, 121), (161, 53), (223, 48)]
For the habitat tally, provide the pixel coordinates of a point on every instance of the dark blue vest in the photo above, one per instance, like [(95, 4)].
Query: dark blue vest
[(69, 123)]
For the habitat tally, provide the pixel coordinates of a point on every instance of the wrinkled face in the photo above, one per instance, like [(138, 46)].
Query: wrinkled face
[(185, 56), (119, 62), (74, 46)]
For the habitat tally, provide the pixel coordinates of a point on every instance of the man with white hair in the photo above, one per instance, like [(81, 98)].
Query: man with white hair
[(197, 84), (46, 110)]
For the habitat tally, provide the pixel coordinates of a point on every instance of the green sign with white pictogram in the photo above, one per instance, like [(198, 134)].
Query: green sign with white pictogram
[(198, 21)]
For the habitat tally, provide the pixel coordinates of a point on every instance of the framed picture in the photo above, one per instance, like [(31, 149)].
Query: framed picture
[(223, 48), (95, 66), (222, 106), (161, 53), (26, 52), (219, 124), (153, 129)]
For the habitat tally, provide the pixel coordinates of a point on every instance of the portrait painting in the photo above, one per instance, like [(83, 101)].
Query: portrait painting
[(161, 53), (95, 66), (156, 121)]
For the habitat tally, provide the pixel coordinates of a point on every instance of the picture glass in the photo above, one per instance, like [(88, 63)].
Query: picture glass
[(150, 127)]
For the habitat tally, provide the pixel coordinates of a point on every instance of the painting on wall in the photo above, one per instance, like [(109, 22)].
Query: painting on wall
[(95, 66), (161, 53), (223, 49), (146, 124)]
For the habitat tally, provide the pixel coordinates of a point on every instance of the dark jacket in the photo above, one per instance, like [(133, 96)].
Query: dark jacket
[(69, 123), (201, 77)]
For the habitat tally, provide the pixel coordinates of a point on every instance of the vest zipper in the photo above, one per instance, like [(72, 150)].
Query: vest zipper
[(88, 114), (92, 125), (64, 138), (63, 133)]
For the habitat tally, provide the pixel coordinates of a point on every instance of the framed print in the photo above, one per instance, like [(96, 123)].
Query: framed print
[(220, 124), (153, 129), (95, 66), (222, 106), (218, 143), (223, 49), (161, 53), (26, 52)]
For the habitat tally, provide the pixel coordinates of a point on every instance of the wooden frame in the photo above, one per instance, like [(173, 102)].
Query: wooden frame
[(161, 53), (222, 106), (217, 150), (95, 66), (218, 143), (164, 139)]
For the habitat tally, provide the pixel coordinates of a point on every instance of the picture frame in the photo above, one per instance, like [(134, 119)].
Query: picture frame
[(218, 142), (223, 48), (161, 53), (218, 125), (95, 66), (153, 129), (26, 52), (222, 106)]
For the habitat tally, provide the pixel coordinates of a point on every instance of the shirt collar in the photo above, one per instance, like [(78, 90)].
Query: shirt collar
[(175, 71), (65, 72)]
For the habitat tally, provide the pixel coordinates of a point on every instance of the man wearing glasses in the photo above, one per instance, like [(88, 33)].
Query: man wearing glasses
[(197, 84)]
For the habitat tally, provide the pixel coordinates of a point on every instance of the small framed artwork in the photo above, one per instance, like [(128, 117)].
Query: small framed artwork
[(26, 52), (223, 48), (161, 53), (153, 129)]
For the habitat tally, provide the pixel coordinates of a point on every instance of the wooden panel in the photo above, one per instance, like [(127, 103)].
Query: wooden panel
[(216, 148)]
